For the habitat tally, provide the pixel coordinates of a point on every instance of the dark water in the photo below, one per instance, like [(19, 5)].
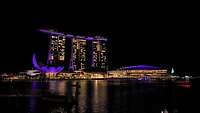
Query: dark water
[(98, 96)]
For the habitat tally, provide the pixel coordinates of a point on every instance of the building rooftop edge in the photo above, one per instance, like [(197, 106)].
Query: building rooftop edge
[(141, 67), (72, 36)]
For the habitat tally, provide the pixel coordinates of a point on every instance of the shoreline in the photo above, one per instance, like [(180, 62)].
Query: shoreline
[(89, 79)]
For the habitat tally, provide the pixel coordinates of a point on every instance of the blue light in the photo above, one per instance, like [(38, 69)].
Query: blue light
[(50, 32), (72, 36), (69, 36), (141, 67)]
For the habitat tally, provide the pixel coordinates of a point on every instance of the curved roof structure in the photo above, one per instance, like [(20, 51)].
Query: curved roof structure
[(44, 68), (141, 67)]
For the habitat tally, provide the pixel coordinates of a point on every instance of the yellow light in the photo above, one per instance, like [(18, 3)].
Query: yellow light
[(61, 58)]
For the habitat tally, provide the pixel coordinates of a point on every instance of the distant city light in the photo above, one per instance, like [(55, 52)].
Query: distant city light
[(172, 71)]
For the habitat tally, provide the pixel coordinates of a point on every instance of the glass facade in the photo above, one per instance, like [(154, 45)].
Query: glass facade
[(140, 71), (56, 49), (99, 54), (78, 54)]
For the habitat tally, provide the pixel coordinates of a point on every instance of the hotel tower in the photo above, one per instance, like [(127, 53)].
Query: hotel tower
[(81, 53), (78, 54), (56, 54), (99, 53)]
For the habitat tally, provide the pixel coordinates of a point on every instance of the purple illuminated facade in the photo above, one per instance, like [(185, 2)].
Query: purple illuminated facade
[(44, 68)]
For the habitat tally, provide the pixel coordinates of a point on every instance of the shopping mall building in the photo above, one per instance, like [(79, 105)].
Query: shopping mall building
[(139, 71)]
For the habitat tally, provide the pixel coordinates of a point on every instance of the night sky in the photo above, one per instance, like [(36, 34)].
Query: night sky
[(135, 37)]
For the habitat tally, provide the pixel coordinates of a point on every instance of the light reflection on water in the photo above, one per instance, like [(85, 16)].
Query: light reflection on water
[(99, 99), (82, 97), (58, 87), (104, 96)]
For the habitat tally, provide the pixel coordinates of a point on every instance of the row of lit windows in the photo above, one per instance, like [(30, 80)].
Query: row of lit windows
[(78, 44), (57, 45), (60, 37)]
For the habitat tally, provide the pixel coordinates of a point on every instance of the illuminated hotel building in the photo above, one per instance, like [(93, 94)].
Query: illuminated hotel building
[(99, 53), (56, 55), (78, 54)]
